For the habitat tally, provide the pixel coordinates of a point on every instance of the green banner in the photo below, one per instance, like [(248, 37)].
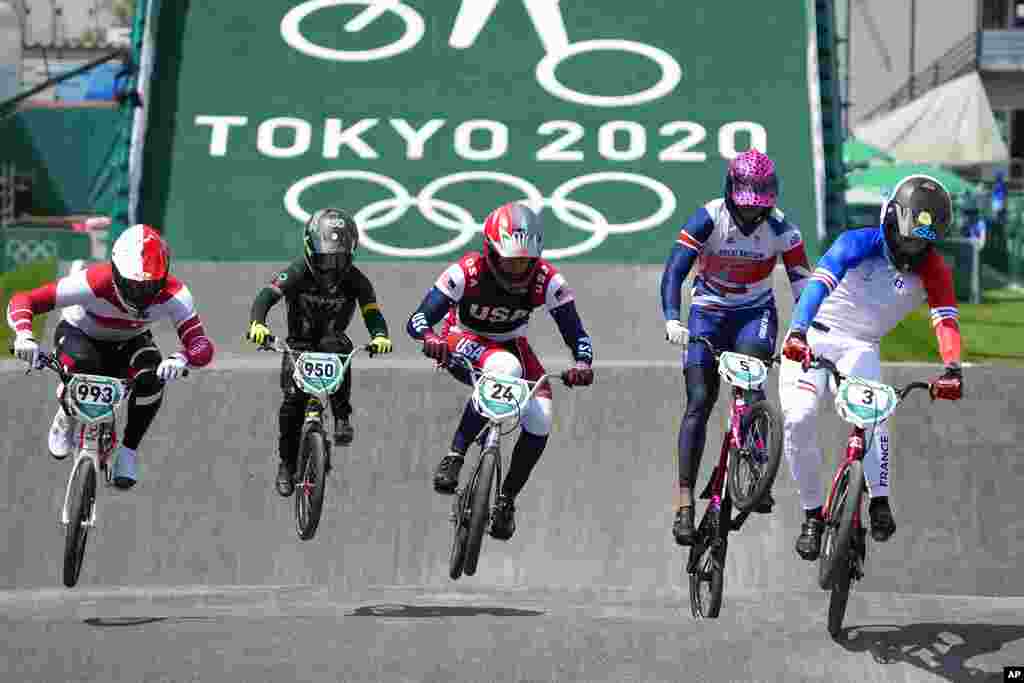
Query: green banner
[(419, 117)]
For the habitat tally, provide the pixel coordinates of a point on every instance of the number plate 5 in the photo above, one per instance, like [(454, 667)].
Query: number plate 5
[(740, 370), (93, 398)]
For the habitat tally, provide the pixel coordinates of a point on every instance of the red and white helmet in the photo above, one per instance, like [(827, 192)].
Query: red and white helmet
[(513, 231), (141, 262)]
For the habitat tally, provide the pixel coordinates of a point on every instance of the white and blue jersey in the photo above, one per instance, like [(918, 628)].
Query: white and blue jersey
[(857, 292), (734, 269)]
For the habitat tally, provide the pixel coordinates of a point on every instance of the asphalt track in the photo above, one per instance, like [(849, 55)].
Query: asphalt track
[(197, 573)]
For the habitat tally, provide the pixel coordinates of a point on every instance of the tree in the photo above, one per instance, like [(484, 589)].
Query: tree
[(123, 10)]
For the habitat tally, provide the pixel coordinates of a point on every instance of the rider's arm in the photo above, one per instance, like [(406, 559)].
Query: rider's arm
[(938, 283), (848, 250), (446, 292), (560, 300), (367, 298), (273, 292), (794, 258), (688, 246), (196, 346), (73, 290)]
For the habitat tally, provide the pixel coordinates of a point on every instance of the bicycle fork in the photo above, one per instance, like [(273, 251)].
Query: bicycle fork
[(855, 447)]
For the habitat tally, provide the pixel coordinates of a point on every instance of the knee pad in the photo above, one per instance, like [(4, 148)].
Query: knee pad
[(502, 363), (536, 417), (147, 387)]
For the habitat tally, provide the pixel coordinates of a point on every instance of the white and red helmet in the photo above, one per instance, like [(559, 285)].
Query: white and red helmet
[(513, 231), (141, 262)]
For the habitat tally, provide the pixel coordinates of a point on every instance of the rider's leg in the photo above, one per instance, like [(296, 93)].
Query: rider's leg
[(446, 474), (799, 394), (341, 400), (147, 395), (702, 385), (863, 360), (77, 353), (290, 417), (756, 337)]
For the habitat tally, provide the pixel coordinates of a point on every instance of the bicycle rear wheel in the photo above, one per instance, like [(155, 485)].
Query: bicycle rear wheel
[(479, 492), (309, 496), (76, 533), (706, 565), (752, 469), (835, 563)]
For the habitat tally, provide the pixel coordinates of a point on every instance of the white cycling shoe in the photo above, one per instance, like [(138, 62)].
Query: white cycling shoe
[(124, 473), (60, 439)]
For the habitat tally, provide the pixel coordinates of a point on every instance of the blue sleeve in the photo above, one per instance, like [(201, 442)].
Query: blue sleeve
[(852, 247), (571, 327), (692, 237), (432, 310)]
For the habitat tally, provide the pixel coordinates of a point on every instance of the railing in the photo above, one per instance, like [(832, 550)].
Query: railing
[(959, 60)]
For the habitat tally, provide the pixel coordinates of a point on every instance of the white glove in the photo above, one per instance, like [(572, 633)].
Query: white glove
[(26, 349), (172, 367), (676, 332)]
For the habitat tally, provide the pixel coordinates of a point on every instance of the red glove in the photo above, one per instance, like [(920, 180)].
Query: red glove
[(579, 375), (435, 347), (950, 386), (796, 349)]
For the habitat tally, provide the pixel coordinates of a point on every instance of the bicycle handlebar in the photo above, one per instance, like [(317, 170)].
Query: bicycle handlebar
[(839, 377), (271, 344)]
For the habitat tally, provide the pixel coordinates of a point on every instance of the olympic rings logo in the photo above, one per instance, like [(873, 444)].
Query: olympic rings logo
[(30, 251), (472, 17), (458, 220)]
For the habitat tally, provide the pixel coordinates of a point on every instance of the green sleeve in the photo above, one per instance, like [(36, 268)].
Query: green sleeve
[(372, 316), (278, 286)]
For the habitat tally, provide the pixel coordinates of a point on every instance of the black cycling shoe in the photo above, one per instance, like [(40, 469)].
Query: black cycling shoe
[(683, 529), (882, 524), (446, 476), (766, 504), (808, 544), (503, 518), (343, 431), (285, 479)]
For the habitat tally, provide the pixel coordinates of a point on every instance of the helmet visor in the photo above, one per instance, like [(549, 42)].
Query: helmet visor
[(747, 191), (517, 266), (140, 295)]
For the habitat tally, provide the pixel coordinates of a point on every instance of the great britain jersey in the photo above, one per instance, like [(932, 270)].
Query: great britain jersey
[(734, 270), (88, 301), (857, 292)]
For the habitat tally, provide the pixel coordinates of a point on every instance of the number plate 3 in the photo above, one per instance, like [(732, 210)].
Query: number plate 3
[(93, 398), (865, 403), (318, 373)]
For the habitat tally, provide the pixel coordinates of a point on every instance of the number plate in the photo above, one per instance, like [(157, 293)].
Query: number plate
[(865, 403), (319, 373), (93, 398), (498, 397), (745, 372)]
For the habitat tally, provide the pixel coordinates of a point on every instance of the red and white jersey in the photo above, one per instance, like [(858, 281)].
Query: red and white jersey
[(88, 301), (484, 308)]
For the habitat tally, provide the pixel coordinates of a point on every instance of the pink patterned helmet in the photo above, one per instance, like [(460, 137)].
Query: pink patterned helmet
[(751, 182)]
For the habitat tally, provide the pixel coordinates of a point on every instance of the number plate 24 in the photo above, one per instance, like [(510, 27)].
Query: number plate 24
[(500, 397)]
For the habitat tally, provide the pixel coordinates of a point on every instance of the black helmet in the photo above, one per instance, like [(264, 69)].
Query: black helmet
[(329, 239), (917, 214)]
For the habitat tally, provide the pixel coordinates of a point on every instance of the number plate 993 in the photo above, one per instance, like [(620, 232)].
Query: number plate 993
[(92, 398)]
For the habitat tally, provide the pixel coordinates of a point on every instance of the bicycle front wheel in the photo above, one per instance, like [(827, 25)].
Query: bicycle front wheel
[(479, 492), (80, 503), (837, 544), (309, 496), (752, 469), (707, 561)]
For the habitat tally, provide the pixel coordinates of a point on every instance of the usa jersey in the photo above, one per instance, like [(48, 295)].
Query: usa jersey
[(860, 294), (735, 270), (484, 308), (90, 303)]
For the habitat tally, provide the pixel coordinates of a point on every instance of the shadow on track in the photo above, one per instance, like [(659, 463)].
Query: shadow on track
[(939, 648), (435, 611)]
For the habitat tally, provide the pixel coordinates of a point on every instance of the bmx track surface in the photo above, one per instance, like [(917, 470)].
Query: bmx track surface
[(197, 575)]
